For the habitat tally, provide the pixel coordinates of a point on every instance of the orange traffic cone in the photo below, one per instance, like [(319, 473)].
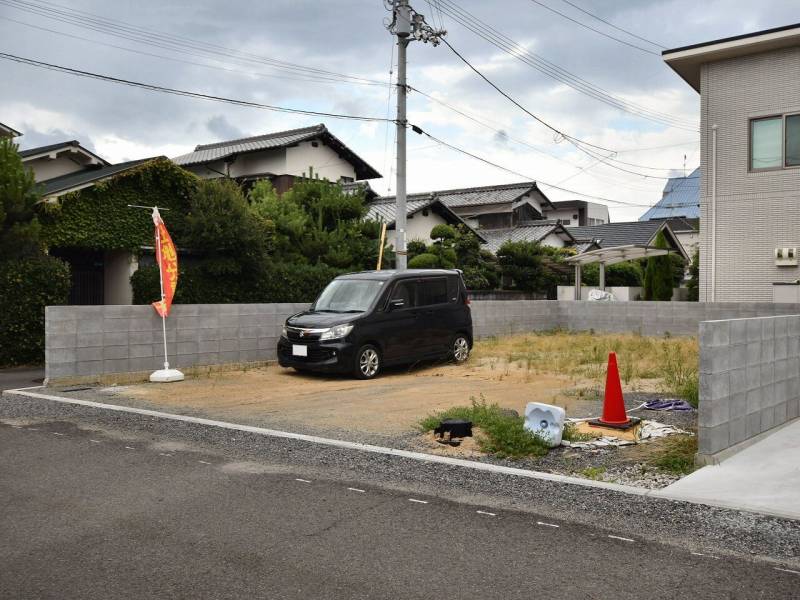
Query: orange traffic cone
[(614, 414)]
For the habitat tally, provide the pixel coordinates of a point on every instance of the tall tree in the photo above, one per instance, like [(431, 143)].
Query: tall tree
[(19, 194), (659, 276)]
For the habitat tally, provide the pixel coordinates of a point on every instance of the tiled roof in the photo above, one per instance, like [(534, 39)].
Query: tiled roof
[(30, 152), (9, 131), (206, 153), (383, 210), (523, 233), (478, 196), (681, 198), (353, 186), (618, 234), (71, 181)]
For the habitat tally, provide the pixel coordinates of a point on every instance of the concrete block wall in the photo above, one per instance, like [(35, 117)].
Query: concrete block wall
[(96, 340), (749, 380)]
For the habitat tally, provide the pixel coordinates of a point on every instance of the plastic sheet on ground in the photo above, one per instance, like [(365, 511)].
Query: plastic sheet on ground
[(601, 296), (649, 430)]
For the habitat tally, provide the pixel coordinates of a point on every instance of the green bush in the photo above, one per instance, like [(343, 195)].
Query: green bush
[(505, 436), (277, 283), (27, 286), (624, 274), (693, 284), (424, 261)]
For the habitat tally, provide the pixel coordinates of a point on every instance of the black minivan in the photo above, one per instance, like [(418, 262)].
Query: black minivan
[(362, 322)]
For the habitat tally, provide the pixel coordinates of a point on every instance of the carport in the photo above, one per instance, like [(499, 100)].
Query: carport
[(610, 256)]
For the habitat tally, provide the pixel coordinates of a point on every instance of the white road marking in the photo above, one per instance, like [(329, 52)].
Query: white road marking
[(302, 480), (417, 501), (419, 456), (707, 555), (357, 490), (787, 570), (16, 427), (483, 512), (547, 524), (96, 441), (616, 537), (203, 462)]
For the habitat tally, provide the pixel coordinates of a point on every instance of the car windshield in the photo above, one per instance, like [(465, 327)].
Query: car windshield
[(348, 295)]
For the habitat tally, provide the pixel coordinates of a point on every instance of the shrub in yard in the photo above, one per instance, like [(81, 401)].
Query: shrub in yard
[(505, 435), (27, 286)]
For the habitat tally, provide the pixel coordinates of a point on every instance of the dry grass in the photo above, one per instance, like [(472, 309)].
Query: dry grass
[(645, 363)]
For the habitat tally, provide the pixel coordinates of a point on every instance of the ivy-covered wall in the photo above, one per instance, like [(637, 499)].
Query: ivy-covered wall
[(99, 217)]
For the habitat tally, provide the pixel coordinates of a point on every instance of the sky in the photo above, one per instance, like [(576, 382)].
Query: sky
[(231, 50)]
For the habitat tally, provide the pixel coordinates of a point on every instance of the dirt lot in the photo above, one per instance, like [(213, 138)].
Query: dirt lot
[(562, 368)]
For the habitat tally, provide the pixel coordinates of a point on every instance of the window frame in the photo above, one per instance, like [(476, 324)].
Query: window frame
[(783, 166)]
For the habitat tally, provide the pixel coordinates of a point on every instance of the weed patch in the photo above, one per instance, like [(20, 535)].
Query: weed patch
[(504, 434), (678, 456)]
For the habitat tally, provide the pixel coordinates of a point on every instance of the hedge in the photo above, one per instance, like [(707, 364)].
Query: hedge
[(26, 287), (277, 283)]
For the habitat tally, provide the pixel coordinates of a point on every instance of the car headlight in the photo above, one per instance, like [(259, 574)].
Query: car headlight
[(334, 333), (283, 332)]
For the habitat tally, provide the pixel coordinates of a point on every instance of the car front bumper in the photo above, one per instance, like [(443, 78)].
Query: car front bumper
[(335, 356)]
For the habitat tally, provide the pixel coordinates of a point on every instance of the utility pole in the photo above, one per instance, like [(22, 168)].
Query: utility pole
[(407, 25)]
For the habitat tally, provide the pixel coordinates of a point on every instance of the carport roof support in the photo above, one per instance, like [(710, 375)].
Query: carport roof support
[(610, 256)]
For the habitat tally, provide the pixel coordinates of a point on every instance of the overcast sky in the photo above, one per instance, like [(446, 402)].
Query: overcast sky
[(348, 36)]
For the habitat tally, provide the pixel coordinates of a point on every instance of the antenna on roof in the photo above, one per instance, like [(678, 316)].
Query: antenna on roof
[(684, 165)]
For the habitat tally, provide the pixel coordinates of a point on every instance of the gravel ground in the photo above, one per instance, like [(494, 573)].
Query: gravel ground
[(695, 527), (617, 465)]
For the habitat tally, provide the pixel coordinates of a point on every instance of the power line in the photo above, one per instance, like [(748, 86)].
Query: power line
[(519, 52), (604, 34), (578, 143), (524, 176), (586, 12), (173, 43), (178, 92), (299, 77), (517, 104)]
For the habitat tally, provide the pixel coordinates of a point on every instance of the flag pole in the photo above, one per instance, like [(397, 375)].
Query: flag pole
[(163, 297), (166, 374)]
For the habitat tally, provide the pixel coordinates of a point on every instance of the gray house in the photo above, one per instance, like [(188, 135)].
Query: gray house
[(749, 89)]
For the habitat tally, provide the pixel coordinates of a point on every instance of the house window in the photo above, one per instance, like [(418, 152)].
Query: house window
[(765, 143), (775, 142), (565, 221), (793, 141)]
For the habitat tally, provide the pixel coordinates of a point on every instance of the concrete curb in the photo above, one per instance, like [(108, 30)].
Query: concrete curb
[(420, 456)]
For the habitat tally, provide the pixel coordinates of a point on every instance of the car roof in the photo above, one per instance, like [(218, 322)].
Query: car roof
[(388, 275)]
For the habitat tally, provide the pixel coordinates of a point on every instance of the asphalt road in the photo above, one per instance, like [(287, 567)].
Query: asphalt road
[(98, 514), (20, 377)]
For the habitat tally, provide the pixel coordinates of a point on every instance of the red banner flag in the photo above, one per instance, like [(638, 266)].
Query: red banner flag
[(167, 258)]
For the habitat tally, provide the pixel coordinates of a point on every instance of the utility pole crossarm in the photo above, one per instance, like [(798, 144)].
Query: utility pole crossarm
[(407, 25)]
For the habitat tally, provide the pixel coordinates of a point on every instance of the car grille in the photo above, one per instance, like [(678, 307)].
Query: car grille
[(298, 334)]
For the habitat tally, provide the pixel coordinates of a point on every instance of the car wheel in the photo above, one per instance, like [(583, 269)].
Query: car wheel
[(368, 362), (460, 348)]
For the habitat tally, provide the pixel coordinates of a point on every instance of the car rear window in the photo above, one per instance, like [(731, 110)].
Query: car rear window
[(432, 291)]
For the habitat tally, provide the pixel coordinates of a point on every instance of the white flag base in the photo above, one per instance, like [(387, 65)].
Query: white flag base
[(166, 375)]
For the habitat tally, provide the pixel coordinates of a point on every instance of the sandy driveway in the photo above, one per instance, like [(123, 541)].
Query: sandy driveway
[(393, 403)]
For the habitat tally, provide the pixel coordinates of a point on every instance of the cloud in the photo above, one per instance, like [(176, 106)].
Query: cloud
[(254, 55)]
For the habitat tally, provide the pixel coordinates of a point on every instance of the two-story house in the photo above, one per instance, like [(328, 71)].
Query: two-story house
[(280, 157), (749, 89)]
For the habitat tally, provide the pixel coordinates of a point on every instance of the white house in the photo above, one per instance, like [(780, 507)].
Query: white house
[(279, 157), (577, 212)]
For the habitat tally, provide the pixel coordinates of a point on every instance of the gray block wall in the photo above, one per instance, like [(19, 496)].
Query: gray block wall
[(97, 340), (749, 380)]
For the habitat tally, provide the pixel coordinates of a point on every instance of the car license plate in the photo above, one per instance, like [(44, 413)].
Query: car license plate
[(299, 350)]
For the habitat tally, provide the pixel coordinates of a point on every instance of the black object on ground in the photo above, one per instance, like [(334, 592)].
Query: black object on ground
[(453, 429)]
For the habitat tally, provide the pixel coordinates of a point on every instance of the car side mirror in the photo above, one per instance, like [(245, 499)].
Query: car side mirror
[(396, 303)]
